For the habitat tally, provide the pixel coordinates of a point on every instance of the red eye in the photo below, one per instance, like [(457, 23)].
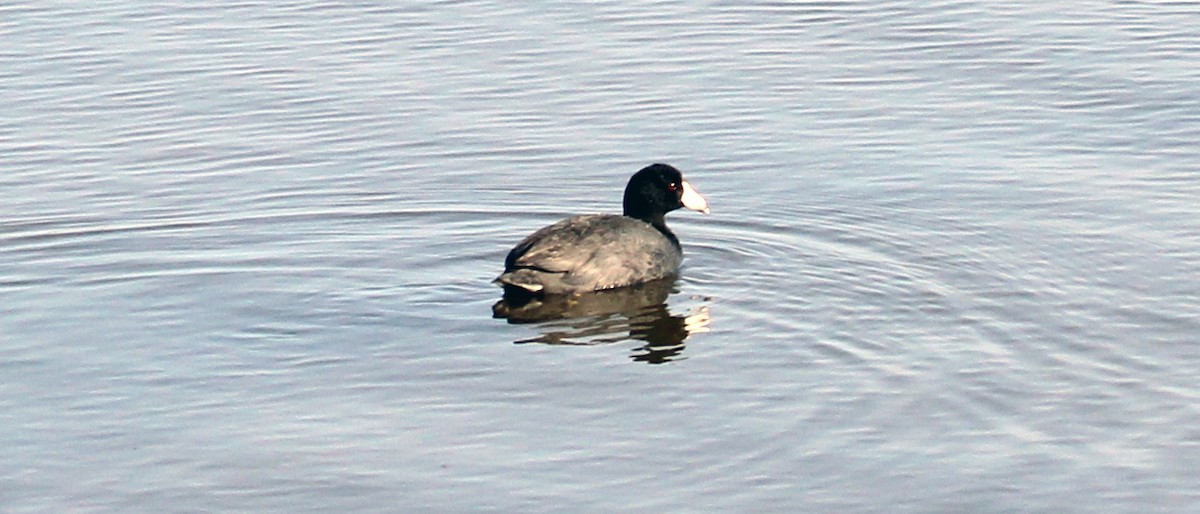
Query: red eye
[(672, 187)]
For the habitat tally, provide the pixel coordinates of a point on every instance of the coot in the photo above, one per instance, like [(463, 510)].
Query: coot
[(593, 252)]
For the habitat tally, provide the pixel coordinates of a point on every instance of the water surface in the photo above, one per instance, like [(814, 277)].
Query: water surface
[(245, 253)]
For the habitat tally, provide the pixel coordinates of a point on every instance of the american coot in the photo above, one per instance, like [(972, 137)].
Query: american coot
[(594, 252)]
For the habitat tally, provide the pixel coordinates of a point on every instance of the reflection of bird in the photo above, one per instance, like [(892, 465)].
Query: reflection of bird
[(638, 312), (627, 301), (605, 251)]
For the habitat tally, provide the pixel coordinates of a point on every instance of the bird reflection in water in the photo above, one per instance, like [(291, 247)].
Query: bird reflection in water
[(638, 312)]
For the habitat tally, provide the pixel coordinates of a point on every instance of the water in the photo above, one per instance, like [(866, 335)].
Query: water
[(951, 266)]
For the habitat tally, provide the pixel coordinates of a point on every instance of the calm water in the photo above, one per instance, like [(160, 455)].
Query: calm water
[(953, 263)]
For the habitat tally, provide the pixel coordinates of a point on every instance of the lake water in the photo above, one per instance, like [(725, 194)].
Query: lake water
[(953, 263)]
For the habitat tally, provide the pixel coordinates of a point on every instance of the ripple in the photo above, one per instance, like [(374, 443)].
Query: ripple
[(854, 286)]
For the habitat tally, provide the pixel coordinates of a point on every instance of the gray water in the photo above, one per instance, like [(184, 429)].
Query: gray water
[(953, 263)]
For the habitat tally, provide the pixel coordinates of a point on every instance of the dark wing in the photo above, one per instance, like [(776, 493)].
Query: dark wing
[(555, 248), (591, 252)]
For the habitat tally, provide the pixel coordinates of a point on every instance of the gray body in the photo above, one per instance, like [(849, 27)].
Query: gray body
[(591, 252)]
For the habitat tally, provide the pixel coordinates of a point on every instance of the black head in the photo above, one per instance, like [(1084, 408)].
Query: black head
[(658, 189)]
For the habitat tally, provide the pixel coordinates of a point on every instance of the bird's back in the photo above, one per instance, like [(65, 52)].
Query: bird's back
[(589, 253)]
